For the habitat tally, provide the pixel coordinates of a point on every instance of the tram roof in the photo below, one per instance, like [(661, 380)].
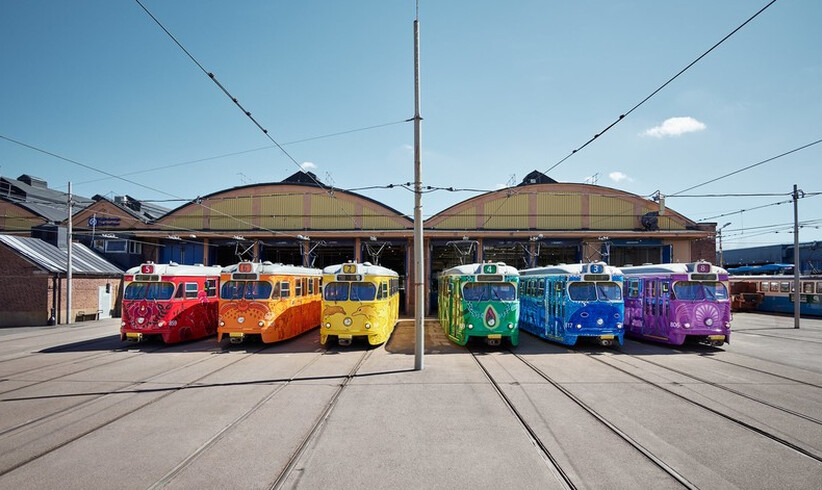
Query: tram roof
[(267, 267), (362, 268), (583, 268), (175, 269), (673, 268), (474, 269)]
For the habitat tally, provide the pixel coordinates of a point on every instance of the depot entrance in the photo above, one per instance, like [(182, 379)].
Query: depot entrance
[(391, 254)]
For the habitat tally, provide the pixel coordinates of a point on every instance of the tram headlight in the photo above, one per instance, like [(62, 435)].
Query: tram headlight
[(222, 323), (327, 325), (619, 325), (686, 325), (367, 325), (600, 321), (161, 324), (260, 323), (470, 326), (240, 319), (709, 321), (728, 325), (347, 322), (510, 326), (122, 324), (172, 323), (579, 325)]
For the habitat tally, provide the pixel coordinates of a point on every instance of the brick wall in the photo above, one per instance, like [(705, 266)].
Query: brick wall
[(27, 293)]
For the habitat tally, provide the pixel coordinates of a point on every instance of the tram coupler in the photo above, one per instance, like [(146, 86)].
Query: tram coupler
[(344, 341), (134, 337), (494, 340), (236, 338), (606, 340), (716, 340)]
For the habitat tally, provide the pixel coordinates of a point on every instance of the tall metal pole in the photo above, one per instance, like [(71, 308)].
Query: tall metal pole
[(796, 263), (68, 260), (419, 264)]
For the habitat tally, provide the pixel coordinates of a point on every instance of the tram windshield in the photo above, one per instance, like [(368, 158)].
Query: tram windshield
[(700, 291), (246, 290), (594, 291), (353, 291), (149, 290), (489, 291)]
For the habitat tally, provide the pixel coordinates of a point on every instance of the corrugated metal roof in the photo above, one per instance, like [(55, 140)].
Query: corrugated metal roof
[(52, 259)]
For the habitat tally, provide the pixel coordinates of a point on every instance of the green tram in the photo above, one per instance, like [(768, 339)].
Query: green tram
[(480, 300)]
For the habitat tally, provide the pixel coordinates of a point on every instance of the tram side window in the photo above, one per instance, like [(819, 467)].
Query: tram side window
[(633, 288), (819, 287), (285, 289), (211, 287), (180, 291), (298, 288), (807, 287), (384, 290), (311, 286), (784, 287), (541, 287), (191, 290), (764, 286), (774, 287)]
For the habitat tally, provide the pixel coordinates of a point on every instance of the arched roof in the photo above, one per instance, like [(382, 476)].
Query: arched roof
[(285, 206), (556, 206)]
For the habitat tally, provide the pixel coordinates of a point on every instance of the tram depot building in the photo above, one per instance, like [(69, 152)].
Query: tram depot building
[(296, 221)]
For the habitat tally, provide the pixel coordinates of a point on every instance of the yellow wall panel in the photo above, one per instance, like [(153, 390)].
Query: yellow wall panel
[(612, 213), (559, 211)]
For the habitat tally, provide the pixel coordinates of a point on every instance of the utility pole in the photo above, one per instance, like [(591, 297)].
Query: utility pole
[(419, 264), (68, 260), (719, 235), (796, 256)]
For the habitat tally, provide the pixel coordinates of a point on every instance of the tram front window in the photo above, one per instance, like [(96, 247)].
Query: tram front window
[(582, 291), (609, 291), (699, 291), (335, 291), (489, 291), (149, 290), (363, 291), (246, 289)]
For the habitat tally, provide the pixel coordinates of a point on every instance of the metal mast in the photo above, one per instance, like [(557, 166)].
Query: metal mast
[(796, 257), (419, 264), (68, 260)]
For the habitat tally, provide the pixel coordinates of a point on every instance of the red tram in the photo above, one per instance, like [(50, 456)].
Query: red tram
[(171, 301)]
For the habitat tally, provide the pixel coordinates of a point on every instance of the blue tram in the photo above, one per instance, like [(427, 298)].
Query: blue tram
[(775, 294), (565, 302)]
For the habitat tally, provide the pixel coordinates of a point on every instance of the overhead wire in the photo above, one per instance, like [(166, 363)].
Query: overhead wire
[(643, 101), (767, 160), (236, 102)]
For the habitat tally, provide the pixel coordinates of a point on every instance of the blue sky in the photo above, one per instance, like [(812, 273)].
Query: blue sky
[(507, 88)]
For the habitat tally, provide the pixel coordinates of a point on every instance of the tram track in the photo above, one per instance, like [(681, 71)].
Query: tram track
[(757, 370), (166, 393), (670, 471), (780, 337), (302, 448), (728, 389), (10, 377), (554, 465), (730, 418), (186, 462)]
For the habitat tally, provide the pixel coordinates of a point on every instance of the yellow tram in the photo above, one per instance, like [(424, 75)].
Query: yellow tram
[(274, 301), (359, 299)]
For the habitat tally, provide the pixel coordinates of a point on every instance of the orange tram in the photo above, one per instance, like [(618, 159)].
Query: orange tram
[(274, 301), (171, 301)]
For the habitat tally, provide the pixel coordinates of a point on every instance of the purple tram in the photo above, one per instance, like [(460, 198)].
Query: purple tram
[(673, 302)]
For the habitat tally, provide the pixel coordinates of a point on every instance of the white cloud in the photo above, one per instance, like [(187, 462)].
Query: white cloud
[(308, 165), (676, 126), (619, 177)]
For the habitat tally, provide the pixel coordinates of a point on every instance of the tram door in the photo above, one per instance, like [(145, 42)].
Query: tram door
[(664, 306), (649, 308), (556, 305)]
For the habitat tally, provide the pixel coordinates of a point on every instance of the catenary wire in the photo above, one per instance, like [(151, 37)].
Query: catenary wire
[(623, 116)]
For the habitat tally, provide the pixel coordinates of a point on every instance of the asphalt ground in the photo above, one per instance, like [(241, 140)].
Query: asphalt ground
[(80, 409)]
